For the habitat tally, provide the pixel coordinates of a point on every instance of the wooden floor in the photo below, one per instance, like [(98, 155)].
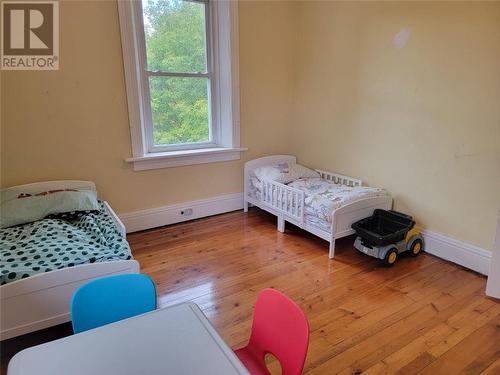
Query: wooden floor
[(423, 315)]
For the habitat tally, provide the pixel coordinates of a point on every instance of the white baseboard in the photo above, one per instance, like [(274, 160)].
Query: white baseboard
[(176, 213), (464, 254)]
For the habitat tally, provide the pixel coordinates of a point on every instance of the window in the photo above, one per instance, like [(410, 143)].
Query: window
[(178, 70), (180, 59)]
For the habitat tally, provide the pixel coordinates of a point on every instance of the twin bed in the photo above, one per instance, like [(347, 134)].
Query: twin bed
[(323, 203), (43, 262)]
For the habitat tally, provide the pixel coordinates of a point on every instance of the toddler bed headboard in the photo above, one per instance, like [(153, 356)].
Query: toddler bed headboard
[(251, 165)]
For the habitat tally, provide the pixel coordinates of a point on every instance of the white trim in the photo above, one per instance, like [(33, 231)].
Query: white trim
[(493, 285), (467, 255), (225, 45), (166, 215), (132, 71), (222, 40), (185, 157)]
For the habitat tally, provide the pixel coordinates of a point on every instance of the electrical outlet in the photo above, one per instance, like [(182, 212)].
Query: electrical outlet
[(187, 212)]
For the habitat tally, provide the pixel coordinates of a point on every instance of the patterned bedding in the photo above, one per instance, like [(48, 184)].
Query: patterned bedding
[(51, 244), (322, 197)]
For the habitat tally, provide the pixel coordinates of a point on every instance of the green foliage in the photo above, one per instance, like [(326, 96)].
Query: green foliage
[(175, 42)]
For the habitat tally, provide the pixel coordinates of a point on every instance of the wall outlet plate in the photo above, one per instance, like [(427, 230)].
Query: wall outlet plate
[(187, 212)]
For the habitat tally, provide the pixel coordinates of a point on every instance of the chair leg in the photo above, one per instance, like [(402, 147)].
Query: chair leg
[(281, 224), (331, 253)]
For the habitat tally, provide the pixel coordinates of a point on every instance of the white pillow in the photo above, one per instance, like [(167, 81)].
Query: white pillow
[(28, 208), (284, 173)]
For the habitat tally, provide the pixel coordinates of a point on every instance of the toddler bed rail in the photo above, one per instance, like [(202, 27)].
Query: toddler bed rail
[(339, 179), (284, 199)]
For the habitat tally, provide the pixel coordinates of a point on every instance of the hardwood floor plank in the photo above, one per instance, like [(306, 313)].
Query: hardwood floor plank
[(492, 369), (473, 354)]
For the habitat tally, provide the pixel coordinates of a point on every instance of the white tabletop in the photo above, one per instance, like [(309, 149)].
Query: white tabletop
[(175, 340)]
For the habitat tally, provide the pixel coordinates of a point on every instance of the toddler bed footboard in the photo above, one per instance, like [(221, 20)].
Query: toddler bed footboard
[(345, 216)]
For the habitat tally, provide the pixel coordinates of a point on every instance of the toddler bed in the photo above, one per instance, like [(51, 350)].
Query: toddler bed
[(323, 203), (43, 262)]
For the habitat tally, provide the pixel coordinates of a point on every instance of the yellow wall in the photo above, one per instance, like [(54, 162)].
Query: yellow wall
[(422, 121), (73, 124)]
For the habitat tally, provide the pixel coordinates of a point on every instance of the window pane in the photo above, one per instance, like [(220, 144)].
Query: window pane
[(180, 110), (175, 35)]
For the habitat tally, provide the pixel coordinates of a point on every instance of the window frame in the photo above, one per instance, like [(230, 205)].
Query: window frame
[(221, 30)]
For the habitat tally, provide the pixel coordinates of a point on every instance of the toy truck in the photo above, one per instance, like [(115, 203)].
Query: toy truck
[(386, 234)]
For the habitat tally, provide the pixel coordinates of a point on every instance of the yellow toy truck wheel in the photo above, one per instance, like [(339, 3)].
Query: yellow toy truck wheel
[(416, 248), (391, 257)]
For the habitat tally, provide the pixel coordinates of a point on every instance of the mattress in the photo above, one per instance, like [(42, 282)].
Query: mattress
[(51, 244), (322, 197)]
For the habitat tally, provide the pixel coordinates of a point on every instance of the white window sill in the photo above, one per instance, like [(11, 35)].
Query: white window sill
[(159, 160)]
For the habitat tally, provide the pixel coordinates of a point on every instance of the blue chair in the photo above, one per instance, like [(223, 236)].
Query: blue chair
[(110, 299)]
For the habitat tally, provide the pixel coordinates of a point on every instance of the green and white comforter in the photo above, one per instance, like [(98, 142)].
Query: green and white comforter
[(51, 244)]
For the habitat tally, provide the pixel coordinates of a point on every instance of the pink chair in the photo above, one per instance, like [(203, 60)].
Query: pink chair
[(280, 328)]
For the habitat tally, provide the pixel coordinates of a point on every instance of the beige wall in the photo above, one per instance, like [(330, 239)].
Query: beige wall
[(73, 124), (422, 121)]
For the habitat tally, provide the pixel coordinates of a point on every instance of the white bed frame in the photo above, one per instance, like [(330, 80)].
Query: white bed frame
[(43, 300), (287, 203)]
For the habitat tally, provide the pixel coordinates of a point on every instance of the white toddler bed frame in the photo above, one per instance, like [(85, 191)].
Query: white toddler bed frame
[(287, 203), (43, 300)]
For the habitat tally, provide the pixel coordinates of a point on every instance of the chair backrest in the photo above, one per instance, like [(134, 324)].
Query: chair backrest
[(109, 299), (281, 328)]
